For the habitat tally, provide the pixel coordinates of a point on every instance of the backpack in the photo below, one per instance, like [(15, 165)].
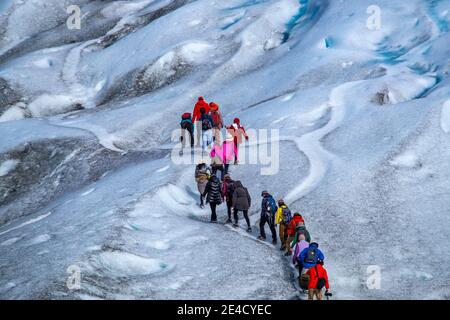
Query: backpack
[(186, 124), (312, 256), (206, 123), (303, 281), (186, 116), (216, 118), (320, 282), (272, 205), (287, 215)]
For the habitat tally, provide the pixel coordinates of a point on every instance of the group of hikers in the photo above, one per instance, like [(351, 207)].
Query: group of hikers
[(207, 121), (294, 237)]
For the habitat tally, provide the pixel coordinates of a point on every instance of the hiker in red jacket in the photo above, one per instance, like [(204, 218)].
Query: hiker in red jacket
[(238, 133), (201, 103), (196, 115), (318, 279)]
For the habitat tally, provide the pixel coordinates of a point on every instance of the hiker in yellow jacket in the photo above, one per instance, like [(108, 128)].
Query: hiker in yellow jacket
[(282, 217)]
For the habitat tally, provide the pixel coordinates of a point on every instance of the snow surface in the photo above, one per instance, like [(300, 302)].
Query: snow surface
[(363, 118), (8, 166)]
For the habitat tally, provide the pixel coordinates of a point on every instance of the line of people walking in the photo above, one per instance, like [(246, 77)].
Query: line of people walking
[(295, 239)]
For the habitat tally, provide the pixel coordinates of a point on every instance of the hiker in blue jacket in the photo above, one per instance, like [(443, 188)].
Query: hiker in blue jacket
[(311, 256), (268, 210)]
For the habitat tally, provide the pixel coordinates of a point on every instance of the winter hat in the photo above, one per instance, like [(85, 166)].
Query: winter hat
[(265, 192), (227, 177), (281, 201), (200, 99), (237, 121), (297, 214), (214, 106)]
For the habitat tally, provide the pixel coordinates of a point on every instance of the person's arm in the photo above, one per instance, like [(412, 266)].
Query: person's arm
[(325, 275), (207, 188), (307, 236), (321, 255), (295, 240), (263, 206), (243, 132)]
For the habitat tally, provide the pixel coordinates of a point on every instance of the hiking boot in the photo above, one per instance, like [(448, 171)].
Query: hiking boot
[(213, 221), (235, 225), (287, 254), (274, 241), (228, 221), (261, 238), (249, 229), (283, 248), (202, 206)]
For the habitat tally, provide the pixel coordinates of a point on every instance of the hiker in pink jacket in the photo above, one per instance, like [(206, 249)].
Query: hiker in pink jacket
[(225, 153)]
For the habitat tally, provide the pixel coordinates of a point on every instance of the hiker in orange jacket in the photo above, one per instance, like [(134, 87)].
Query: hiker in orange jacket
[(318, 279), (217, 121)]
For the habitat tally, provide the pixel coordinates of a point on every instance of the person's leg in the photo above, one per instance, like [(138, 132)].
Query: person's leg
[(213, 212), (191, 136), (204, 140), (318, 294), (282, 235), (273, 231), (198, 130), (246, 218), (221, 173), (310, 294), (183, 138), (288, 244), (300, 268), (262, 232), (209, 137), (226, 168), (201, 200), (229, 206), (236, 217)]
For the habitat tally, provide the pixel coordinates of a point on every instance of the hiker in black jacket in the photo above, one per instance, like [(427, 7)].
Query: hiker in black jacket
[(213, 191), (241, 202)]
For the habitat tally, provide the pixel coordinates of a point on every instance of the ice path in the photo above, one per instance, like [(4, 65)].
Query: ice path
[(310, 143)]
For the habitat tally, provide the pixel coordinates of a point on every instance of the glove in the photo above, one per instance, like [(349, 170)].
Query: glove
[(181, 139), (328, 293), (246, 138)]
